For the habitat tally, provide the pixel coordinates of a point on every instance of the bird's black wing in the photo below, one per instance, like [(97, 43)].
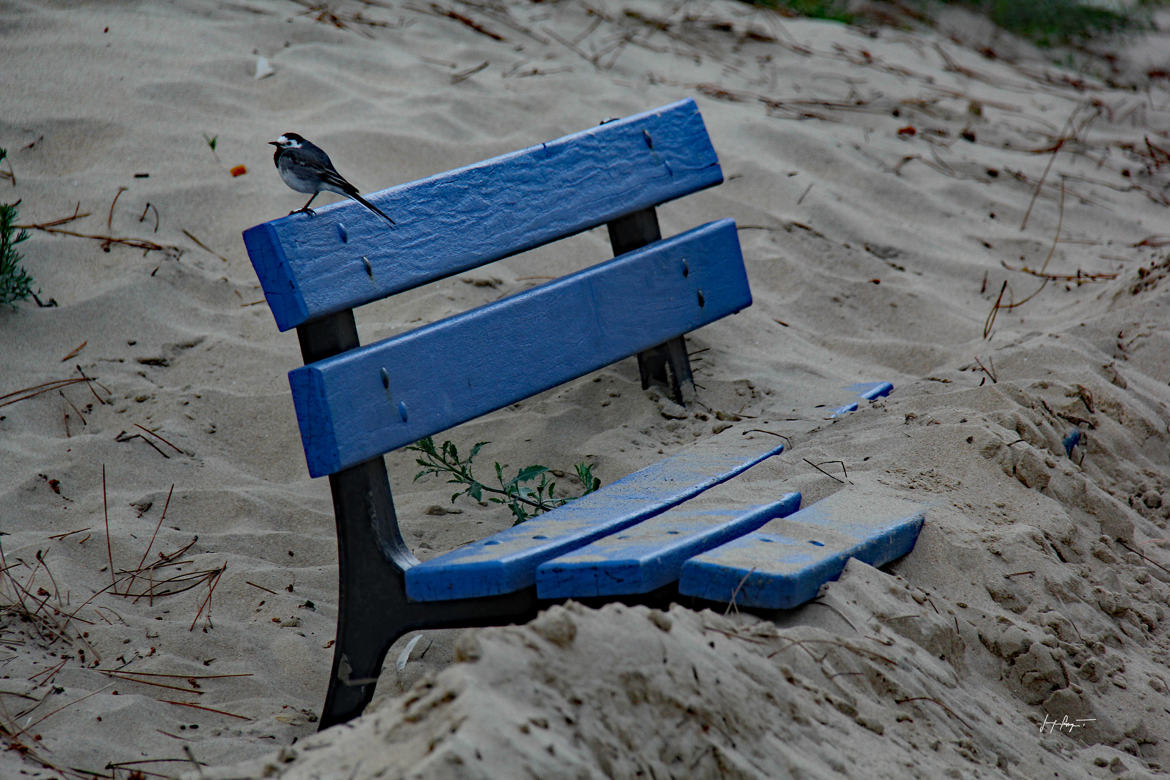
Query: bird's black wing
[(314, 160), (329, 174)]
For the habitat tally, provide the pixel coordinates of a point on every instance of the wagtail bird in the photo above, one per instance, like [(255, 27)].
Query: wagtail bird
[(306, 168)]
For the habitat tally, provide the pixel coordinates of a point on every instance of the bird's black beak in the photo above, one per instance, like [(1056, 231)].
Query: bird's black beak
[(274, 143)]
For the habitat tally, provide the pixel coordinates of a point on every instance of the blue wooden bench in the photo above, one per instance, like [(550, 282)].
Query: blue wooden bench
[(662, 530)]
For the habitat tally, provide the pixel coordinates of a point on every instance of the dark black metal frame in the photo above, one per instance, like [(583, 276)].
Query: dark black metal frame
[(372, 608)]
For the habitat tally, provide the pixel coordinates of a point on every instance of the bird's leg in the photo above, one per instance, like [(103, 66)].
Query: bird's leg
[(305, 208)]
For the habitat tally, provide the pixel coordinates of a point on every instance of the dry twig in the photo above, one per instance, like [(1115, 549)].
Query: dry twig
[(26, 393)]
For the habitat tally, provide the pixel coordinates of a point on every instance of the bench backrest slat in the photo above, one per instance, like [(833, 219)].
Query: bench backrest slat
[(343, 257), (373, 399)]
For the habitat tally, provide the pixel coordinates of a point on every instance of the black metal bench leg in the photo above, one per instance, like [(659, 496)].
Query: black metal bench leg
[(372, 607), (357, 662), (667, 364), (371, 555)]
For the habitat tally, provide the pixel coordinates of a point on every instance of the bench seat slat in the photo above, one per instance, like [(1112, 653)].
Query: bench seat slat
[(866, 391), (368, 401), (649, 555), (785, 562), (507, 561), (344, 256)]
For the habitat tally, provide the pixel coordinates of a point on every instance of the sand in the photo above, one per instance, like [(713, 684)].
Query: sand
[(888, 183)]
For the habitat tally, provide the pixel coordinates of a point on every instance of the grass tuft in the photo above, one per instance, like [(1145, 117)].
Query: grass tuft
[(1045, 22), (832, 10), (1053, 22)]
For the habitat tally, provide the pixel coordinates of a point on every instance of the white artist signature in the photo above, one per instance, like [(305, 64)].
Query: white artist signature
[(1064, 724)]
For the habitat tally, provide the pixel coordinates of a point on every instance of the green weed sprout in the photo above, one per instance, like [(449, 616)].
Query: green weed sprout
[(530, 492)]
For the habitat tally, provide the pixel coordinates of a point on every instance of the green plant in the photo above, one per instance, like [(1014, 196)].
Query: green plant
[(15, 282), (1050, 22), (530, 492), (833, 10), (1047, 22)]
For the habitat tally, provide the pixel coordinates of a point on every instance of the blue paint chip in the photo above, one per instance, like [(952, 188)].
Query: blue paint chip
[(1071, 441)]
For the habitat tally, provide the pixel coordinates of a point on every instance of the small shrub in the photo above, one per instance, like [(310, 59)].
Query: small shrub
[(529, 493)]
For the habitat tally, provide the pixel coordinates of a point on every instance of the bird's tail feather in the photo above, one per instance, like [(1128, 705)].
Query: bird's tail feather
[(370, 206)]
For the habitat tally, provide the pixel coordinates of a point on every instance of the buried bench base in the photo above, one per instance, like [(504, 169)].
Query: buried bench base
[(377, 570), (808, 549), (378, 603)]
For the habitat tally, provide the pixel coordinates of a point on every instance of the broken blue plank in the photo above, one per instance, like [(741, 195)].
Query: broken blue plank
[(649, 555), (867, 391), (507, 561), (785, 562), (871, 390), (373, 399), (343, 256)]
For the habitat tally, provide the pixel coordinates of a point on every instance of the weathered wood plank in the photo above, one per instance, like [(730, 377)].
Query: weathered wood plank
[(376, 398), (649, 555), (344, 256), (786, 561), (507, 561)]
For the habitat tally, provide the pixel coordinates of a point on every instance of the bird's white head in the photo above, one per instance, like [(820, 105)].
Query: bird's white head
[(288, 141)]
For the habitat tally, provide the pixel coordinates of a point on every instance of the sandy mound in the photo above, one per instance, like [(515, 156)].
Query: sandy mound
[(891, 186)]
